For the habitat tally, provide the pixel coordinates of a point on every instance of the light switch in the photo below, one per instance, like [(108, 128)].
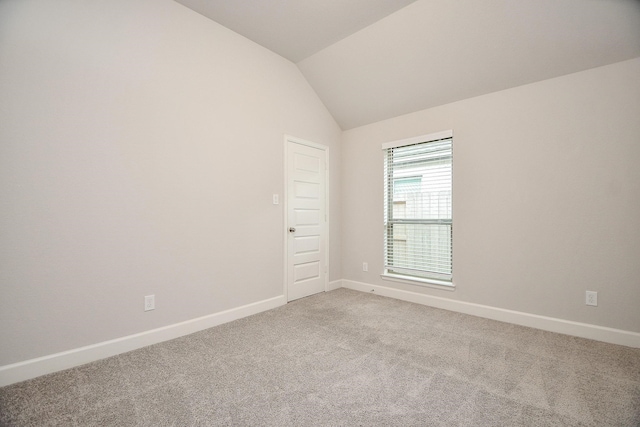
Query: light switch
[(276, 199)]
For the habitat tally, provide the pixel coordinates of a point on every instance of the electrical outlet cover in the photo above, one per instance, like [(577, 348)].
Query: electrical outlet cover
[(591, 298), (149, 302)]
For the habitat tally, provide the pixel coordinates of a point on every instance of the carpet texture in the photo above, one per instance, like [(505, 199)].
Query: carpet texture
[(345, 358)]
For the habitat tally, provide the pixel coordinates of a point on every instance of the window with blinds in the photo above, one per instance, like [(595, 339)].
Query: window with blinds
[(418, 213)]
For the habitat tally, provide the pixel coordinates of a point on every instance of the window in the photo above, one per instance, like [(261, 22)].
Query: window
[(418, 215)]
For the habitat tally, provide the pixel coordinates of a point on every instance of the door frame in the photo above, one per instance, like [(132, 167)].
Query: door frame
[(285, 229)]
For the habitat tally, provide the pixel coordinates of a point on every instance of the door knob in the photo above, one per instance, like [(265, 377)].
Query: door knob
[(292, 230)]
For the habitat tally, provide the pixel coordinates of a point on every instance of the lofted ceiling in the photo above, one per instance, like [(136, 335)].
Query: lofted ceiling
[(295, 29), (370, 60)]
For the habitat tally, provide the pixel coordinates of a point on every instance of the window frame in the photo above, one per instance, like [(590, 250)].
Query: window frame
[(423, 279)]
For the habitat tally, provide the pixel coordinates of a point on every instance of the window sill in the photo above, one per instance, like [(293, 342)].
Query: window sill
[(427, 283)]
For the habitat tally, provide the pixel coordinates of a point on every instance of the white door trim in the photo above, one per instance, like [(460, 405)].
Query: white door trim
[(285, 198)]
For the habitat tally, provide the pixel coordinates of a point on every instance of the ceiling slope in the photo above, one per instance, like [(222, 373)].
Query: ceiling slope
[(370, 60), (434, 52), (295, 29)]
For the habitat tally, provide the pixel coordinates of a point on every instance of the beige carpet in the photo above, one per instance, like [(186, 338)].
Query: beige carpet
[(345, 358)]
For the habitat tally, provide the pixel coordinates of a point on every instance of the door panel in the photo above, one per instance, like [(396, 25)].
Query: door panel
[(310, 244), (306, 214), (307, 271), (307, 190)]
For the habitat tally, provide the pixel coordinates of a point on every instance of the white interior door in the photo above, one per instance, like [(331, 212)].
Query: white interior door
[(306, 219)]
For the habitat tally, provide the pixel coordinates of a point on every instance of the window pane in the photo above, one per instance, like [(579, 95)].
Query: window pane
[(427, 196), (418, 210), (419, 247)]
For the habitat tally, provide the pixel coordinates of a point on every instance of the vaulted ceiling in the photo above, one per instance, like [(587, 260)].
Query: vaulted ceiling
[(370, 60)]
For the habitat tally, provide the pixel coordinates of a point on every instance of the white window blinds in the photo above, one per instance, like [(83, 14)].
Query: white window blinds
[(418, 213)]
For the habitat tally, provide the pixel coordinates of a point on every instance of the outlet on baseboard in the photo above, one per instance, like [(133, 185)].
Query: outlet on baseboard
[(365, 266), (591, 298), (149, 302)]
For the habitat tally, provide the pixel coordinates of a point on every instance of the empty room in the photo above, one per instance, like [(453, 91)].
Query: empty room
[(320, 213)]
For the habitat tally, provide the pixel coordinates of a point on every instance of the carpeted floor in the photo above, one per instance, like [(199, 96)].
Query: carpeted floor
[(345, 358)]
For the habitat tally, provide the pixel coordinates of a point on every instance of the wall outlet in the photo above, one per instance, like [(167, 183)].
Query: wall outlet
[(365, 266), (591, 298), (149, 302)]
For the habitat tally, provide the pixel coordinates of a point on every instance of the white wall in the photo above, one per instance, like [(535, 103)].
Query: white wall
[(546, 197), (140, 144)]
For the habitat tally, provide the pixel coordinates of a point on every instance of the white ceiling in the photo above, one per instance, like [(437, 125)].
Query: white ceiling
[(295, 29), (370, 60)]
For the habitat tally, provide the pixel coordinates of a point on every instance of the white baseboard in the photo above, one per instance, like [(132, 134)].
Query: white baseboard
[(336, 284), (28, 369), (584, 330)]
